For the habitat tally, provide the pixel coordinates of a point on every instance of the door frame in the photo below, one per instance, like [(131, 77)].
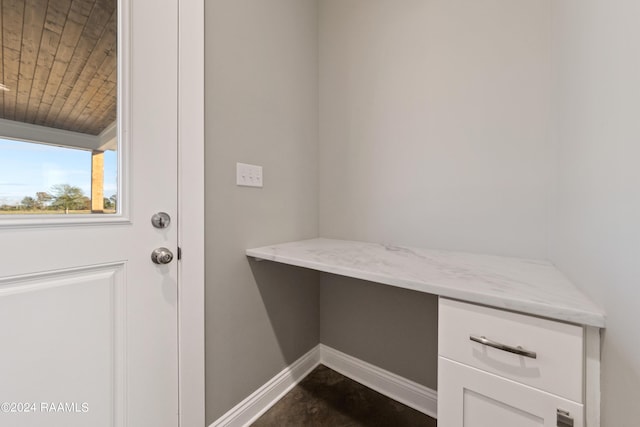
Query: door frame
[(191, 191)]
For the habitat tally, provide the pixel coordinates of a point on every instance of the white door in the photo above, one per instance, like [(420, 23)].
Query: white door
[(469, 397), (89, 322)]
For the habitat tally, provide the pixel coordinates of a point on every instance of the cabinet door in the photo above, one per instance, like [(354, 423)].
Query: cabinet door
[(469, 397)]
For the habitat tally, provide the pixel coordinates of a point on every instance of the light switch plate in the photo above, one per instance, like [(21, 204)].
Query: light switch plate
[(248, 175)]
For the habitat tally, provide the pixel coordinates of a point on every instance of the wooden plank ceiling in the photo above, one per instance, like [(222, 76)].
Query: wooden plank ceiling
[(58, 62)]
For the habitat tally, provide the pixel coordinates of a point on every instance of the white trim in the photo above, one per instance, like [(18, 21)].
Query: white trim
[(109, 137), (398, 388), (191, 213), (28, 132), (592, 376), (106, 140), (247, 411), (123, 116), (71, 220)]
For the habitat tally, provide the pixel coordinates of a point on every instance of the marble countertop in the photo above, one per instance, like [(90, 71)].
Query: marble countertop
[(524, 285)]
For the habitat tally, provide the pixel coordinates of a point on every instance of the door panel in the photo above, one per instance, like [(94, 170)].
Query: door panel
[(93, 319), (65, 345)]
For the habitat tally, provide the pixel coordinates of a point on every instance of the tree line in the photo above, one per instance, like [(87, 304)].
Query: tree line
[(61, 197)]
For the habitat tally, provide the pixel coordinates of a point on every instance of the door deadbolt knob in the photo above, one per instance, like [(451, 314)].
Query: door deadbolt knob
[(161, 256), (161, 220)]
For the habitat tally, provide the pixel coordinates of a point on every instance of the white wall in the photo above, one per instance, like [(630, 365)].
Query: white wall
[(437, 128), (434, 119), (434, 132), (261, 108), (597, 224)]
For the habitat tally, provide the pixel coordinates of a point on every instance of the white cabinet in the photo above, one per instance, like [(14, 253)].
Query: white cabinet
[(525, 371), (471, 397)]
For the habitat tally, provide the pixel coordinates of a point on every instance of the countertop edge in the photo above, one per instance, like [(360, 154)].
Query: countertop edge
[(571, 315)]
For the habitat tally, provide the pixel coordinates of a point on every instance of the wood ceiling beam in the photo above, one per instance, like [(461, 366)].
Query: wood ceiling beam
[(45, 135)]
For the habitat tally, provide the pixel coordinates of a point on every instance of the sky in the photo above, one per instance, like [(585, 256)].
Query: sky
[(26, 168)]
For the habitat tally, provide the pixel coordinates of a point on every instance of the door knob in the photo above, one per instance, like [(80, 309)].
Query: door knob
[(161, 256)]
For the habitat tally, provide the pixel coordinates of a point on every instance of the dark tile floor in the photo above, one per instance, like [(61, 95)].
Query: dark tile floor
[(326, 398)]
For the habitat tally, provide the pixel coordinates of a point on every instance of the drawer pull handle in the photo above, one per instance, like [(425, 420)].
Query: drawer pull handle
[(515, 350)]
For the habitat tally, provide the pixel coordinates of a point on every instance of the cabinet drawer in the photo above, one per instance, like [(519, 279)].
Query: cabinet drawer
[(469, 397), (558, 364)]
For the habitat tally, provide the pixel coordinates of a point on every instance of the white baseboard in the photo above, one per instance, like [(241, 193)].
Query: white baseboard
[(398, 388), (405, 391), (247, 411)]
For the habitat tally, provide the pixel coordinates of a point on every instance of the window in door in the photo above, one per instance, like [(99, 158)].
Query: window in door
[(58, 108)]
